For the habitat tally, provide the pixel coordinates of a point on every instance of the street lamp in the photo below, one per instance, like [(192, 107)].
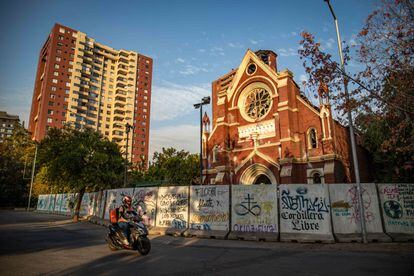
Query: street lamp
[(32, 178), (351, 130), (204, 101), (128, 127)]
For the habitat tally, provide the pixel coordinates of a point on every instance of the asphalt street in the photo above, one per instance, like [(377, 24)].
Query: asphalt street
[(39, 244)]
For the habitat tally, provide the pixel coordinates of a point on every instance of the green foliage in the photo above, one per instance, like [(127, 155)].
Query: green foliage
[(382, 94), (16, 153), (80, 161), (170, 167)]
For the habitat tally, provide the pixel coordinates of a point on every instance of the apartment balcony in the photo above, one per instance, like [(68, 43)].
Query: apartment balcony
[(119, 105), (123, 61), (118, 133), (118, 118), (120, 99)]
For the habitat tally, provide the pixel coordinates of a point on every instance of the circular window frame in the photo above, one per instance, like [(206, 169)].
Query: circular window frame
[(248, 66), (243, 96)]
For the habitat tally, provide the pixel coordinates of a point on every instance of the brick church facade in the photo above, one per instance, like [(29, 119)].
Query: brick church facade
[(264, 130)]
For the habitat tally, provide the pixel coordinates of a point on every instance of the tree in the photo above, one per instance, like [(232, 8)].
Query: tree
[(16, 154), (80, 161), (171, 167), (382, 94)]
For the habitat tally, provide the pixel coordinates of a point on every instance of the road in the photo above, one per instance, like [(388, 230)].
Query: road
[(33, 244)]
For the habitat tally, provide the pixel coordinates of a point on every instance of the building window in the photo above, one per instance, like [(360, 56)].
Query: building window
[(56, 66), (49, 120), (58, 59), (58, 51), (52, 96), (54, 80), (61, 30), (312, 139), (257, 103), (56, 74), (68, 84), (53, 88), (316, 178), (50, 112), (66, 91)]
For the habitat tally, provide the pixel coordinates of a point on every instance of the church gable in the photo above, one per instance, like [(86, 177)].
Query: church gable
[(251, 69)]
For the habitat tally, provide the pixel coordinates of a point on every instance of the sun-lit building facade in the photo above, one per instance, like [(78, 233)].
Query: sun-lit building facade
[(84, 83), (264, 130)]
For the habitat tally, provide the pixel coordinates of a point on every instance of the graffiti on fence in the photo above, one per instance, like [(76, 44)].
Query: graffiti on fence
[(254, 208), (172, 207), (304, 209)]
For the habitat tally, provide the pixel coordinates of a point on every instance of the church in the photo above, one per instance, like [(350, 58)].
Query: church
[(264, 130)]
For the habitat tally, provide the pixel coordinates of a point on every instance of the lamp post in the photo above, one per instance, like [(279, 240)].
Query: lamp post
[(204, 101), (128, 127), (351, 130), (32, 178)]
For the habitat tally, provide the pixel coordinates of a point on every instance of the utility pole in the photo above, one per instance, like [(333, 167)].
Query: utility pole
[(32, 179), (127, 129), (351, 130)]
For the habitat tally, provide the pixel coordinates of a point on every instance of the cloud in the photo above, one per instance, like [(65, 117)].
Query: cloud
[(293, 33), (192, 70), (287, 52), (201, 50), (253, 41), (329, 43), (184, 137), (170, 100), (234, 45), (180, 60)]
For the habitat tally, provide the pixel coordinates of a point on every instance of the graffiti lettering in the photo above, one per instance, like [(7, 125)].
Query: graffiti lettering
[(252, 207), (300, 203), (269, 228)]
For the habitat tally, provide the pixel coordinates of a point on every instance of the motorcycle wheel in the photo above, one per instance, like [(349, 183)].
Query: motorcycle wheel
[(144, 245), (110, 244)]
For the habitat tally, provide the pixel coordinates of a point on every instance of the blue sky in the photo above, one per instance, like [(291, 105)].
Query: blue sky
[(192, 44)]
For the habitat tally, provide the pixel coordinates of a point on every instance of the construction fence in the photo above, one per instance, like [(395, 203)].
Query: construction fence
[(293, 212)]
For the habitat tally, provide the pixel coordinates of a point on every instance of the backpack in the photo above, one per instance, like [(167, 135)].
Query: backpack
[(114, 215)]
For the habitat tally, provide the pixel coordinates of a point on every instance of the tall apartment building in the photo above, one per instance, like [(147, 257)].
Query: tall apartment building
[(84, 83), (7, 124)]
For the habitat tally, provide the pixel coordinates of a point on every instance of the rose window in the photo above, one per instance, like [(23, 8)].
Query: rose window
[(257, 103)]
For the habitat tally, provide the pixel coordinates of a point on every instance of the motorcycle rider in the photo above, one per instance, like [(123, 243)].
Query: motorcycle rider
[(126, 215)]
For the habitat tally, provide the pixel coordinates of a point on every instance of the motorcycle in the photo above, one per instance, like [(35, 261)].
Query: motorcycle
[(139, 237)]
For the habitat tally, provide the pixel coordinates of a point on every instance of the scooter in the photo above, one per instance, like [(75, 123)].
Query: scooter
[(139, 238)]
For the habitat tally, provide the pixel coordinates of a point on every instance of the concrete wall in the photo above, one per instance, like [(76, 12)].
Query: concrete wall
[(209, 208), (305, 212), (146, 198), (58, 203), (345, 210), (114, 199), (254, 208), (397, 204), (42, 202), (172, 207)]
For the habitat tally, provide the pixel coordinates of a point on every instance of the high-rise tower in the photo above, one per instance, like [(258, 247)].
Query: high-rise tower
[(87, 84)]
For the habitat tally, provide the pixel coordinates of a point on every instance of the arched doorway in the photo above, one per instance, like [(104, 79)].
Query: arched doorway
[(257, 174), (262, 179)]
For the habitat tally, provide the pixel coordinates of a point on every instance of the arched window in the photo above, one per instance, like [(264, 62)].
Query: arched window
[(312, 139), (316, 178)]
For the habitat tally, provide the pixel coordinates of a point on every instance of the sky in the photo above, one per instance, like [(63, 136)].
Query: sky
[(191, 42)]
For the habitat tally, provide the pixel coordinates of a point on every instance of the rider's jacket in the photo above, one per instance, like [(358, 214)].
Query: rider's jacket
[(126, 213)]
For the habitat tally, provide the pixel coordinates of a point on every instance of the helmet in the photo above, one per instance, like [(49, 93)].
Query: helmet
[(127, 200)]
